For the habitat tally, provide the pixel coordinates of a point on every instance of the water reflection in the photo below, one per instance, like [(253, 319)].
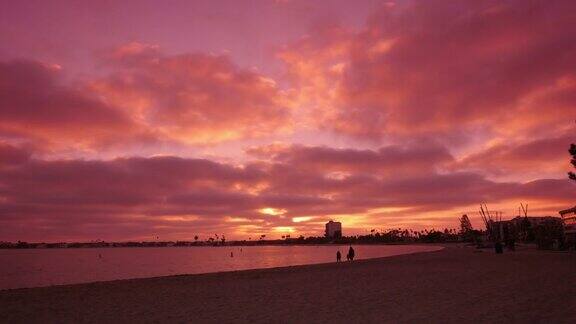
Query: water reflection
[(45, 267)]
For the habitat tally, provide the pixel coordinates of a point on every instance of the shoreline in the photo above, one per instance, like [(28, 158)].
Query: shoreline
[(225, 272), (453, 284), (440, 247)]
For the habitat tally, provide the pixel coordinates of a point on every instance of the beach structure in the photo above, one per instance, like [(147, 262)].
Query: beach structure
[(569, 221), (492, 220), (547, 231), (532, 220), (519, 225), (333, 229)]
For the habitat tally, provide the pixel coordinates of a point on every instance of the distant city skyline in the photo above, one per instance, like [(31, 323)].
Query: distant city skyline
[(128, 120)]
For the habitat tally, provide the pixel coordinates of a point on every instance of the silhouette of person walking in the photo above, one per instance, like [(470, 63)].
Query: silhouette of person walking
[(350, 255), (498, 247), (338, 256)]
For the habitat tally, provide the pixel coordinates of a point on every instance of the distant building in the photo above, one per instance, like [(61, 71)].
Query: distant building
[(333, 229), (532, 220), (520, 227), (569, 220)]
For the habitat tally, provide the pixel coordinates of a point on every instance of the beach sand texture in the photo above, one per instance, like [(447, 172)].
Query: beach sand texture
[(457, 284)]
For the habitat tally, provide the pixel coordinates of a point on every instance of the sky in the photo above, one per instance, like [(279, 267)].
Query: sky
[(138, 120)]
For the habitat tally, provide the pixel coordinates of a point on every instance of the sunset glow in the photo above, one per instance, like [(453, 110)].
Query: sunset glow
[(133, 120)]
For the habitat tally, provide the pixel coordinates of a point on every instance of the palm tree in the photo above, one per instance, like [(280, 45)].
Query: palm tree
[(572, 152)]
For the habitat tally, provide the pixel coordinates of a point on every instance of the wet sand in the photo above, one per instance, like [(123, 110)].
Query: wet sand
[(457, 284)]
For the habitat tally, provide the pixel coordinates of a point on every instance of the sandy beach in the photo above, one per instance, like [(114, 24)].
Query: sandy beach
[(457, 284)]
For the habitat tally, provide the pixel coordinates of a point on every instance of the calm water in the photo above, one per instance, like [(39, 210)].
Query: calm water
[(45, 267)]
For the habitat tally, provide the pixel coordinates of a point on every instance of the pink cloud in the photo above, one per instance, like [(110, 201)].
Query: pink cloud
[(148, 98), (450, 104), (138, 197), (12, 155), (193, 98), (450, 70), (529, 159), (420, 157), (37, 105)]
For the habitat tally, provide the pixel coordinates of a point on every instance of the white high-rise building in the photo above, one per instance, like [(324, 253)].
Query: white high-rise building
[(333, 229)]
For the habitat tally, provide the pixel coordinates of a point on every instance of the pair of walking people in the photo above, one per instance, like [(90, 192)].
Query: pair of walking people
[(349, 256)]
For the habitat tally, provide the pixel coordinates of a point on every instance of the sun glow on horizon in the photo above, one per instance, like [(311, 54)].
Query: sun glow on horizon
[(273, 211)]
